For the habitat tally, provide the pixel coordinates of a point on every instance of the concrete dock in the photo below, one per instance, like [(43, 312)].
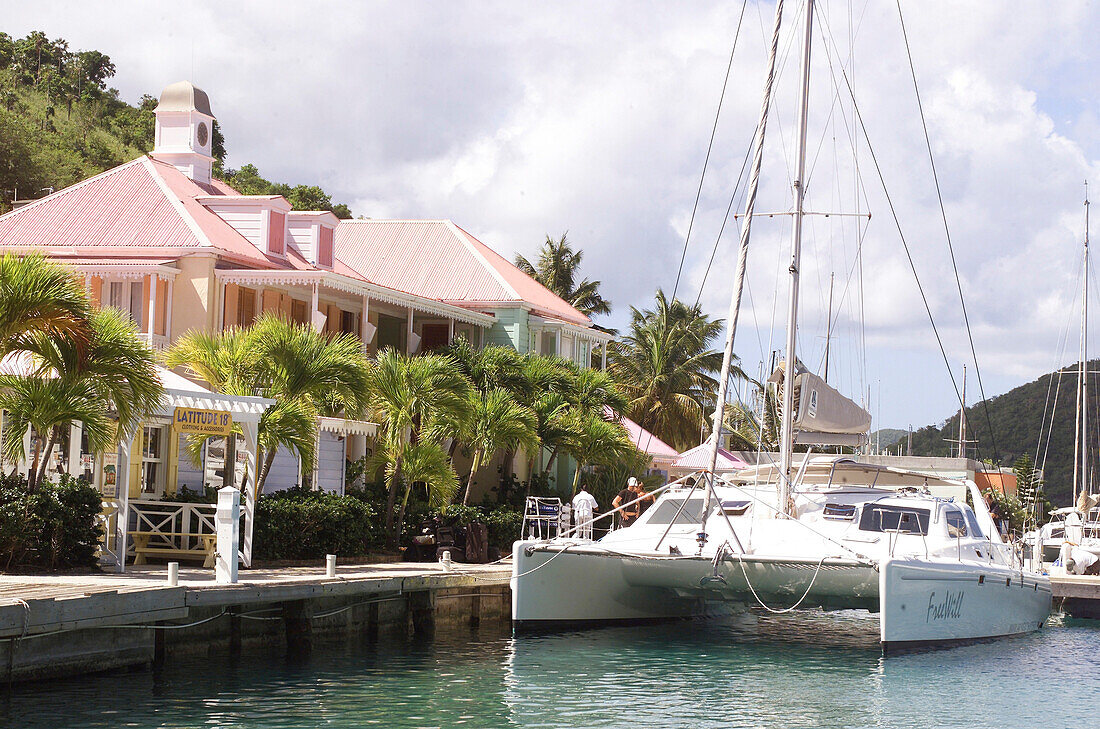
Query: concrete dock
[(1077, 595), (67, 625)]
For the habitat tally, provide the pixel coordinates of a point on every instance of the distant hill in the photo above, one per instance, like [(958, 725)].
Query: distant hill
[(1016, 417), (886, 437), (60, 124)]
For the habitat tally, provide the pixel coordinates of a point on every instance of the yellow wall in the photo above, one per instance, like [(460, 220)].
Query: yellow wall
[(194, 295), (229, 317), (135, 464)]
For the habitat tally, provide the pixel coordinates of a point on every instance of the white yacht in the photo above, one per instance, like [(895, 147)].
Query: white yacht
[(858, 536), (823, 533)]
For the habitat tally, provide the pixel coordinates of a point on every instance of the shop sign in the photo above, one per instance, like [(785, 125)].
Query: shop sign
[(202, 422), (110, 475)]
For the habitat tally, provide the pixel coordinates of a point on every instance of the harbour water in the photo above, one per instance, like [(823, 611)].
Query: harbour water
[(803, 670)]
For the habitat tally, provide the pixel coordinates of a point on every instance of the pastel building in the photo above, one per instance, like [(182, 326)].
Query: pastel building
[(163, 240)]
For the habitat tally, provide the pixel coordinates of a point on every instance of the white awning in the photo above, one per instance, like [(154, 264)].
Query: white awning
[(342, 426), (179, 392)]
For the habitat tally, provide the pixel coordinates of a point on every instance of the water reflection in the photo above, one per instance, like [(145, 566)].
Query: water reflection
[(801, 670)]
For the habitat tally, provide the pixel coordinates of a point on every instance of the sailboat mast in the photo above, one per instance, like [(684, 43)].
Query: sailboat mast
[(1085, 360), (829, 327), (742, 257), (787, 433), (962, 419), (1080, 433)]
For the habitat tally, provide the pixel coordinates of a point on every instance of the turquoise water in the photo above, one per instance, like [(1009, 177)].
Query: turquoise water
[(808, 670)]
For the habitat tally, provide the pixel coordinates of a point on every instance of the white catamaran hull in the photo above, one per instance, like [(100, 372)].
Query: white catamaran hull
[(921, 601), (925, 601)]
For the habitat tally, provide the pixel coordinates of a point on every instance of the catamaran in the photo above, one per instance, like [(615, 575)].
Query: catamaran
[(820, 532)]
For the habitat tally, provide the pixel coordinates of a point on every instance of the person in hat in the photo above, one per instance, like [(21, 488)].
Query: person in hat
[(624, 498)]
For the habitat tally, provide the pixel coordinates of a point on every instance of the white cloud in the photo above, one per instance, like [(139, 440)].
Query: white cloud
[(520, 120)]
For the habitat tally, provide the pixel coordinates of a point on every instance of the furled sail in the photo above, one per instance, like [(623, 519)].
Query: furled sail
[(822, 415)]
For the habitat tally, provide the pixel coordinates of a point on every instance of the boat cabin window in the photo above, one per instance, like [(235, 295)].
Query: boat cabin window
[(735, 508), (665, 512), (894, 518), (844, 512), (975, 530), (956, 523)]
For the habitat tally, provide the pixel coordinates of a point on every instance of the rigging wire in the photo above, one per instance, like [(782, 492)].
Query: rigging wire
[(710, 147), (901, 236), (947, 232)]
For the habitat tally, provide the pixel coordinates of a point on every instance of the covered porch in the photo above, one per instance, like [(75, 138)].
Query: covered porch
[(335, 303)]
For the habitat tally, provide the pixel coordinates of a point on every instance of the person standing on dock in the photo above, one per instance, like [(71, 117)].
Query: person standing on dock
[(584, 504)]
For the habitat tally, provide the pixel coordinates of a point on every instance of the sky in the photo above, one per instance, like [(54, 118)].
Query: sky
[(519, 120)]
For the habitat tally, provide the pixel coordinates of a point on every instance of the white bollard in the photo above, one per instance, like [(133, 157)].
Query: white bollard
[(173, 574), (330, 565), (228, 522), (445, 560)]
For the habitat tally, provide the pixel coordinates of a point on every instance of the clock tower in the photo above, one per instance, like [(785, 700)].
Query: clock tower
[(184, 130)]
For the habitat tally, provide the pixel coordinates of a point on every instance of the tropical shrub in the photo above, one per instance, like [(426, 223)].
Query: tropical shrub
[(55, 526), (301, 524)]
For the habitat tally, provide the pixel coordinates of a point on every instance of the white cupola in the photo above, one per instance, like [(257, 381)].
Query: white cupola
[(185, 130)]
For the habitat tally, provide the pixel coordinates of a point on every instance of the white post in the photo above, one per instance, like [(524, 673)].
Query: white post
[(251, 451), (227, 521), (76, 430), (557, 342), (173, 574), (450, 330), (168, 313), (122, 483), (603, 356), (409, 333), (152, 305), (364, 323), (330, 565)]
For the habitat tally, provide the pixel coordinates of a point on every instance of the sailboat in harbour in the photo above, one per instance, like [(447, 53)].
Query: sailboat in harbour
[(819, 532)]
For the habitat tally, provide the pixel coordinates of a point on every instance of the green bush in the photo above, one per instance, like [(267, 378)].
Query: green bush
[(302, 524), (504, 522), (56, 526)]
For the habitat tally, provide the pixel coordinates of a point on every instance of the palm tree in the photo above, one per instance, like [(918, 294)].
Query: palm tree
[(665, 367), (744, 425), (596, 441), (413, 397), (39, 295), (495, 421), (557, 269), (80, 381), (424, 462), (307, 373)]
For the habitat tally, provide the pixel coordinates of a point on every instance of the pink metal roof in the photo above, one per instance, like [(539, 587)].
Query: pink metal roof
[(141, 208), (699, 458), (436, 258), (646, 442)]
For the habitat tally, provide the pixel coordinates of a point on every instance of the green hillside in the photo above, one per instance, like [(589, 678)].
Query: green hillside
[(1017, 417), (60, 123), (886, 437)]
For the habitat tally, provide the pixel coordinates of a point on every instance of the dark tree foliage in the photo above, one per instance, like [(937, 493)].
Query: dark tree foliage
[(60, 123), (1017, 419)]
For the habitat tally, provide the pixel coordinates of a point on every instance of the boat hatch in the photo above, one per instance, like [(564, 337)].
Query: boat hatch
[(842, 512), (735, 508), (877, 518), (669, 509)]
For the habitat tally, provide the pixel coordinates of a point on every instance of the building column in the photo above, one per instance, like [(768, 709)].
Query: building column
[(314, 304), (152, 305), (122, 483), (251, 451), (76, 430), (450, 331), (557, 342), (365, 333), (409, 333), (603, 356), (168, 313)]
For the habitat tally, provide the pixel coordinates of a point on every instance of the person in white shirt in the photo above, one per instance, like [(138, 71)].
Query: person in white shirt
[(584, 504)]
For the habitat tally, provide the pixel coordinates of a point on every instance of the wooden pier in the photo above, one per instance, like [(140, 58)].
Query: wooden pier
[(68, 625)]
